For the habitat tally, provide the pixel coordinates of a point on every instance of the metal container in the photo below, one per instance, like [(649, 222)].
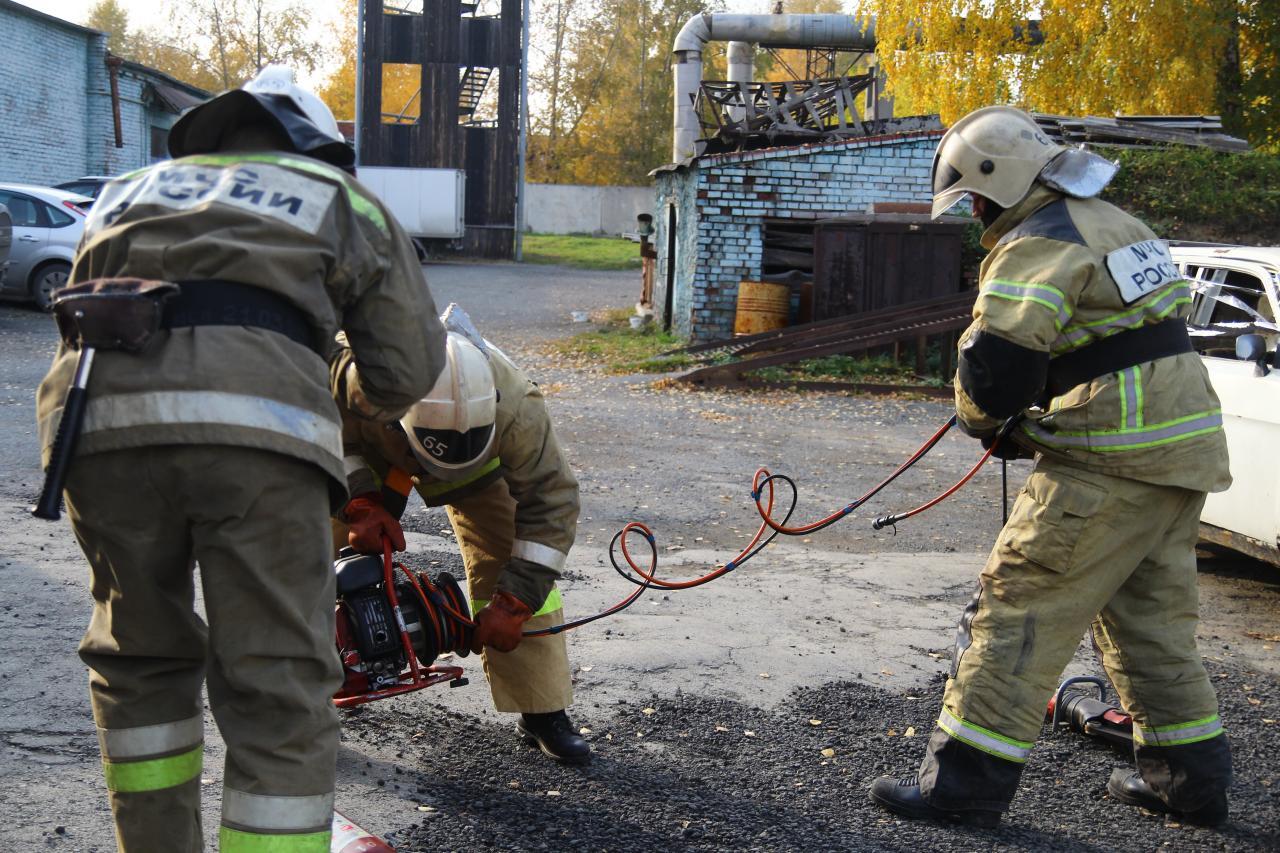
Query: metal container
[(762, 307)]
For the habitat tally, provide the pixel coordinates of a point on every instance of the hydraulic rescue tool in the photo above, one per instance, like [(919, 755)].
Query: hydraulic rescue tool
[(1077, 710)]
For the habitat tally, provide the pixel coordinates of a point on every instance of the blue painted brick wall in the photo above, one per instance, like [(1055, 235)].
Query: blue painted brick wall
[(44, 97), (55, 103), (724, 200)]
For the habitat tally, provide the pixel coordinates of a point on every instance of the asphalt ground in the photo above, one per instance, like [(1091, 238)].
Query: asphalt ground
[(699, 704)]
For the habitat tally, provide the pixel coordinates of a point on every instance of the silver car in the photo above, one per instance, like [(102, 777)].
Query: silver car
[(47, 224)]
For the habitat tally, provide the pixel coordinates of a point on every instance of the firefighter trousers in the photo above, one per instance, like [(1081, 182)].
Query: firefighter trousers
[(256, 523), (534, 678), (1082, 548)]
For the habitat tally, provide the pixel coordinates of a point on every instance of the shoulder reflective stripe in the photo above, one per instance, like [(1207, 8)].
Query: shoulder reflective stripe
[(145, 741), (1042, 294), (1079, 334), (359, 203), (151, 408), (984, 739), (552, 603), (155, 774), (1105, 441), (276, 814), (441, 487), (536, 552), (234, 841), (353, 465), (1182, 733)]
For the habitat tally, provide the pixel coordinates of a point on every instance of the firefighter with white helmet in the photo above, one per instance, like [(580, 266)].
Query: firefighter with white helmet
[(220, 444), (482, 445), (1079, 348)]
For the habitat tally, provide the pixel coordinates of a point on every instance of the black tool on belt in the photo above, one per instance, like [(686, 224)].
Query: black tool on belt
[(124, 314)]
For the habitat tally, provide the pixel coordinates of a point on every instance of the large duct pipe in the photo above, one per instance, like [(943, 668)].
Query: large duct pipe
[(742, 56), (846, 31)]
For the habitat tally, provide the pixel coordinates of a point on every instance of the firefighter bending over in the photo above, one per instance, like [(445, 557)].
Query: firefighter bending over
[(1081, 314), (220, 444), (481, 444)]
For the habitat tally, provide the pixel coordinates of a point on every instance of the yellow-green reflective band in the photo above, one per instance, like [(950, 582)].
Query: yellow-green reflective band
[(1112, 440), (1041, 294), (155, 774), (552, 603), (435, 489), (992, 743), (1179, 734), (235, 841), (1151, 312), (358, 202)]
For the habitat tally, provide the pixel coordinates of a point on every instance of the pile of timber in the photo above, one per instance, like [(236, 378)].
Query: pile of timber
[(909, 323), (1140, 131)]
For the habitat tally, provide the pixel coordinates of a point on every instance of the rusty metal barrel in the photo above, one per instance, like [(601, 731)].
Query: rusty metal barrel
[(762, 307)]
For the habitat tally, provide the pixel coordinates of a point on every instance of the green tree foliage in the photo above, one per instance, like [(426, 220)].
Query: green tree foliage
[(1098, 57), (214, 44), (109, 17), (1195, 193), (604, 97)]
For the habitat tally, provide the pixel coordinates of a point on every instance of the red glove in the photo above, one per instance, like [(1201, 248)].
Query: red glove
[(369, 522), (500, 622)]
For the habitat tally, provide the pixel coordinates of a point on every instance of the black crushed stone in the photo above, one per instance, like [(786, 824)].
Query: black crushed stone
[(688, 777)]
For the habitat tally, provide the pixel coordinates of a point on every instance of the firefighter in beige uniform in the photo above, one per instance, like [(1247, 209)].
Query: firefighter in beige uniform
[(481, 444), (1081, 314), (220, 444)]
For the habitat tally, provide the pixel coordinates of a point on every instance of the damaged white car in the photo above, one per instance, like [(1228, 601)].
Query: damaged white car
[(1233, 325)]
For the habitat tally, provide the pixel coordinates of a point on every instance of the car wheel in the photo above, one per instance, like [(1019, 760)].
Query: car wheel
[(46, 280)]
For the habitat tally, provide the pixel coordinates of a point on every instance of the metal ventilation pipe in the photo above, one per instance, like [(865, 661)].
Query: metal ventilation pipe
[(742, 56), (847, 31)]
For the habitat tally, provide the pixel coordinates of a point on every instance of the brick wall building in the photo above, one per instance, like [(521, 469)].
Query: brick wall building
[(711, 212), (57, 108)]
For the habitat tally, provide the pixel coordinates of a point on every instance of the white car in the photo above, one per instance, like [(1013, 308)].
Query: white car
[(47, 224), (1233, 322)]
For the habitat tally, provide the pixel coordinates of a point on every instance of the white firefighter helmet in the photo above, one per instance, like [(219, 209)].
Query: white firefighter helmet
[(273, 97), (1000, 152), (450, 430)]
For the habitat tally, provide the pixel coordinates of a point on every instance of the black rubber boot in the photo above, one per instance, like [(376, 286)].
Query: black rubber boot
[(903, 797), (554, 735), (1128, 787)]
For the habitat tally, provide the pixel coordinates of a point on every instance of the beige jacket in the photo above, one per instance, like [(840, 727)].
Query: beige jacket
[(1047, 290), (285, 223), (524, 453)]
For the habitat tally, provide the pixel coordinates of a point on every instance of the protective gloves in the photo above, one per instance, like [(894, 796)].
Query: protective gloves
[(500, 622), (1007, 449), (369, 521)]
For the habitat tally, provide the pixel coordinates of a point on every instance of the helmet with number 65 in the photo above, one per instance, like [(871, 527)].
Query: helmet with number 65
[(450, 430)]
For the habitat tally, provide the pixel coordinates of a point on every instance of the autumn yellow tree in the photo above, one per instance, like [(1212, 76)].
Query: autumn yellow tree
[(401, 99), (1098, 57)]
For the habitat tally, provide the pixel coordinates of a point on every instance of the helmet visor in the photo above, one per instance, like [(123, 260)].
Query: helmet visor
[(449, 448), (946, 194)]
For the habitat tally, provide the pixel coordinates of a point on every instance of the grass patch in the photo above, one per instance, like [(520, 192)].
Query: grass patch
[(618, 348), (588, 253), (879, 370)]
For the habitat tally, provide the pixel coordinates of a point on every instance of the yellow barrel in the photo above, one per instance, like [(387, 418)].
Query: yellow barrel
[(762, 307)]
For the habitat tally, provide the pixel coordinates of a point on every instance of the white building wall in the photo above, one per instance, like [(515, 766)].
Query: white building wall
[(575, 209)]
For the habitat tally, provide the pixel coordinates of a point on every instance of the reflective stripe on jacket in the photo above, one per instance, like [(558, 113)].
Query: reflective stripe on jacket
[(1045, 291), (284, 223)]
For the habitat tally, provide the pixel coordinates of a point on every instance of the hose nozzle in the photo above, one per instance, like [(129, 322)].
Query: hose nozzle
[(887, 521)]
